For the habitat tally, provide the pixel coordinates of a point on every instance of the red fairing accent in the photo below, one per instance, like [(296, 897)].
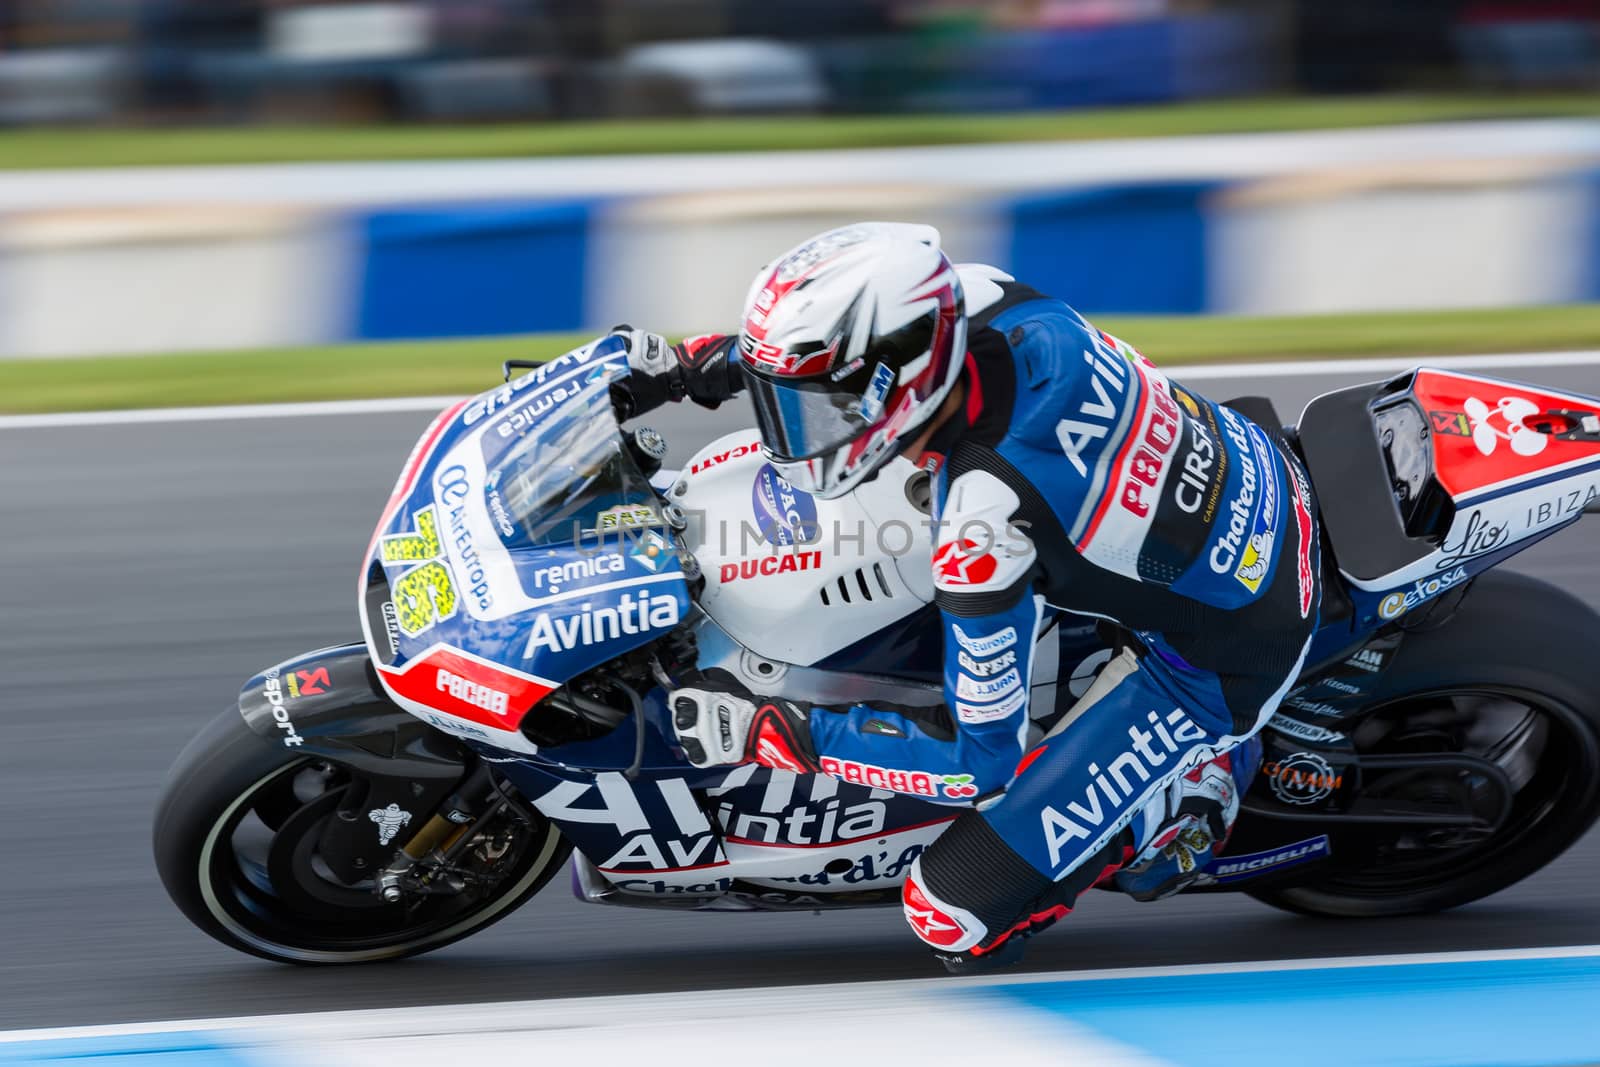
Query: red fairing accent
[(467, 688), (927, 920), (1484, 431)]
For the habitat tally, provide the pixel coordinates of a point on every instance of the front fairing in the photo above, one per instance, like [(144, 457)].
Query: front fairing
[(521, 547)]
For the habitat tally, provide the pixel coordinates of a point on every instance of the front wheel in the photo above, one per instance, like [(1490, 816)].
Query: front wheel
[(236, 843)]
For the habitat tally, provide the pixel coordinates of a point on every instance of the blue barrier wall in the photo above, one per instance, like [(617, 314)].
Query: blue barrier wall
[(453, 270), (1131, 248)]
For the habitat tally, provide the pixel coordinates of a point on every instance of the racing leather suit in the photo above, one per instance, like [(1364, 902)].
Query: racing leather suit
[(1080, 479)]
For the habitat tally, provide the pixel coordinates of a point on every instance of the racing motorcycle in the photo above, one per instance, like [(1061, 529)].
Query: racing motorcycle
[(537, 583)]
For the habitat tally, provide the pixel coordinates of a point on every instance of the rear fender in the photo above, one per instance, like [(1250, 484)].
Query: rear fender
[(328, 703)]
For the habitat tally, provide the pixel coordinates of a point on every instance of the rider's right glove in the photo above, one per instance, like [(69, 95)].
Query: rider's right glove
[(698, 369), (717, 728)]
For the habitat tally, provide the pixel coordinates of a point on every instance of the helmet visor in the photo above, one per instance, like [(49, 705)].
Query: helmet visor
[(799, 419)]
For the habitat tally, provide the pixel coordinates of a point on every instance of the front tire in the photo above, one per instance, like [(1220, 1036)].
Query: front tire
[(235, 841)]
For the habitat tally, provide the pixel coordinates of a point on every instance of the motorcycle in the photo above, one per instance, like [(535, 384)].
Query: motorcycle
[(537, 583)]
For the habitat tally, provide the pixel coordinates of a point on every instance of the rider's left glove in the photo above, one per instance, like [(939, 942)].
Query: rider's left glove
[(718, 728)]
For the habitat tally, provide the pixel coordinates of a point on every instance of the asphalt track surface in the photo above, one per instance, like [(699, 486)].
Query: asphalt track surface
[(148, 569)]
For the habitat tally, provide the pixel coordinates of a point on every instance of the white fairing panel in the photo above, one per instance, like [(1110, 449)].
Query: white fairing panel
[(795, 577)]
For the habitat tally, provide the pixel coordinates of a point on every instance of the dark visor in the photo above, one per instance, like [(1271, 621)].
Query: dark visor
[(799, 419)]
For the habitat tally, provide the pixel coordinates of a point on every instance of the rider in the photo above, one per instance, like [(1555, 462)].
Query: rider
[(1071, 476)]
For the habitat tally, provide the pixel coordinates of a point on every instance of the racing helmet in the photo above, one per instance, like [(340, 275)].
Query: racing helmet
[(850, 344)]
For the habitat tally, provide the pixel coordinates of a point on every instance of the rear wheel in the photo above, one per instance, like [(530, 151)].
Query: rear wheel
[(236, 843), (1510, 686), (1546, 800)]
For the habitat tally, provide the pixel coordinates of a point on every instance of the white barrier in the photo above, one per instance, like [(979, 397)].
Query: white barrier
[(145, 260)]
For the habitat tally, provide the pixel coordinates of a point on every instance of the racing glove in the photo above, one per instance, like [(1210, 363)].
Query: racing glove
[(704, 369), (717, 728)]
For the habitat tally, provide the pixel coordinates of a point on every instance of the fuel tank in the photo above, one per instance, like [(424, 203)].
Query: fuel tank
[(793, 577)]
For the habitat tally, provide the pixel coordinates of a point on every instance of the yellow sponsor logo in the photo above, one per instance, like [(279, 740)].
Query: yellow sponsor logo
[(423, 595), (1253, 562)]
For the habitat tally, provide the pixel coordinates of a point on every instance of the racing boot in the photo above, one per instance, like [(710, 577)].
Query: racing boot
[(1188, 824)]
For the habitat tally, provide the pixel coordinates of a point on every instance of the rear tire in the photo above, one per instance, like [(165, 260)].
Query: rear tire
[(1515, 641), (235, 806)]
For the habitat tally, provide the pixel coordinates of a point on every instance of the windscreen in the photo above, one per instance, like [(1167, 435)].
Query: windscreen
[(567, 475)]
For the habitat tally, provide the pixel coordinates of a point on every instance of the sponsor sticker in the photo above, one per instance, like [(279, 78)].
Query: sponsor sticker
[(917, 783), (715, 459), (272, 690), (975, 714), (390, 820), (475, 693), (307, 683), (626, 517), (575, 572), (652, 551), (1370, 660), (1095, 416), (1305, 731), (1225, 869), (777, 563), (1148, 462), (1302, 521), (1401, 601), (984, 668), (1491, 425), (426, 594), (1087, 802), (1315, 707), (989, 689), (784, 515), (1300, 779), (1203, 471), (984, 644), (877, 392), (1241, 516), (632, 613)]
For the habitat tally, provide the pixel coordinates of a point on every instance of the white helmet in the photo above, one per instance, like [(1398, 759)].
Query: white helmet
[(850, 344)]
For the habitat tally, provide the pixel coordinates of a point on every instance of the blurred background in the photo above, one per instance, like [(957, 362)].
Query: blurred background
[(416, 169), (165, 61)]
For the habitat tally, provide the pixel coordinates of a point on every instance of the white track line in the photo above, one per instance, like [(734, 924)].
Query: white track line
[(640, 1007), (431, 404)]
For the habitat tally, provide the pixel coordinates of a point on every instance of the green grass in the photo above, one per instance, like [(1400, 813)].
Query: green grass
[(21, 149), (469, 366)]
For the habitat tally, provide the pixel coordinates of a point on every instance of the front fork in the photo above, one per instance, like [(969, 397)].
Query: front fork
[(435, 847)]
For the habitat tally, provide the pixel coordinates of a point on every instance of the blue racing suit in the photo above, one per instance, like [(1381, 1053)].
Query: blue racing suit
[(1082, 480)]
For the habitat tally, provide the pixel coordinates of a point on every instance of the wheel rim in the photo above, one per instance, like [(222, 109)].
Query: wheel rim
[(260, 878), (1540, 744)]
